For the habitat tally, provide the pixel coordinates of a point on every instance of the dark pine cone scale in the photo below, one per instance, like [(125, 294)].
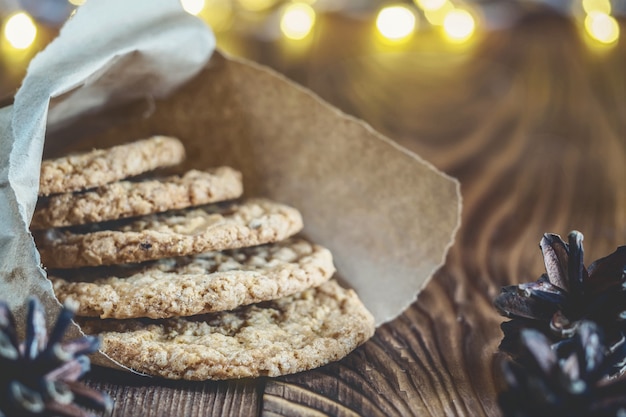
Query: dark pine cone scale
[(566, 295), (572, 380), (39, 376)]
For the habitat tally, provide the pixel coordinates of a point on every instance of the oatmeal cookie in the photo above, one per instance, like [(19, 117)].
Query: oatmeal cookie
[(213, 227), (103, 166), (191, 285), (124, 199), (279, 337)]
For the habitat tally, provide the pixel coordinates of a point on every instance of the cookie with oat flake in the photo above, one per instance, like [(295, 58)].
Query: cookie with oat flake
[(198, 284), (125, 199), (213, 227), (91, 169), (284, 336)]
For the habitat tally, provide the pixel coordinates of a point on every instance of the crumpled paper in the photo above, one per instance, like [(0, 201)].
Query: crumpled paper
[(121, 71)]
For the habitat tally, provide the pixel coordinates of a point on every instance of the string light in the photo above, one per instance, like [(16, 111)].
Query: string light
[(193, 7), (459, 25), (297, 20), (590, 6), (430, 4), (395, 22), (256, 5), (218, 14), (602, 27), (436, 16), (20, 30)]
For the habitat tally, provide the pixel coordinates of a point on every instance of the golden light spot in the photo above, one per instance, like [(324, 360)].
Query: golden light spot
[(430, 4), (602, 27), (193, 7), (256, 5), (436, 16), (297, 20), (218, 14), (20, 30), (459, 25), (603, 6), (395, 22)]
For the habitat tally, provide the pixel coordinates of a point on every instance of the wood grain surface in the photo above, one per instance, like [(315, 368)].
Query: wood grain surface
[(532, 121)]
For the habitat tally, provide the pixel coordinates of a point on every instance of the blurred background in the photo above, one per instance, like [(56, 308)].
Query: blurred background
[(524, 101), (305, 39)]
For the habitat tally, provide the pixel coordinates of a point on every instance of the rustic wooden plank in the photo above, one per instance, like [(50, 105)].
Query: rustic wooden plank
[(285, 399), (413, 366), (533, 127), (153, 397), (350, 387)]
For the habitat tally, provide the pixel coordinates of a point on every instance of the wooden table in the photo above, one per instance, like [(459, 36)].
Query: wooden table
[(533, 123)]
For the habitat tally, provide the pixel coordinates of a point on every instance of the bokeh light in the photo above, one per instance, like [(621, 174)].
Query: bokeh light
[(436, 16), (219, 14), (193, 7), (256, 5), (602, 27), (430, 4), (459, 25), (603, 6), (20, 30), (395, 22), (297, 20)]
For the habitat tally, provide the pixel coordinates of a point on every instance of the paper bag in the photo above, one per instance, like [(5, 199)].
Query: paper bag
[(388, 216)]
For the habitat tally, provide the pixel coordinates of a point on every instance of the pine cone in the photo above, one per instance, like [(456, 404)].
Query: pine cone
[(566, 295), (39, 376), (571, 380)]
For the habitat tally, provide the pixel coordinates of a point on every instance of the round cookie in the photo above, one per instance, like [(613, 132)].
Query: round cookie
[(103, 166), (124, 199), (207, 282), (280, 337), (176, 233)]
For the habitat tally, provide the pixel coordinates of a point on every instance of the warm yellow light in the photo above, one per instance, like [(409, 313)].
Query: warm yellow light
[(603, 6), (192, 6), (297, 20), (256, 5), (20, 30), (395, 22), (459, 25), (218, 14), (436, 16), (430, 4), (77, 2), (602, 27)]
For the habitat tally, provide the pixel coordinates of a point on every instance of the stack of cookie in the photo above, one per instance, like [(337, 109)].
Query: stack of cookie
[(182, 277)]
